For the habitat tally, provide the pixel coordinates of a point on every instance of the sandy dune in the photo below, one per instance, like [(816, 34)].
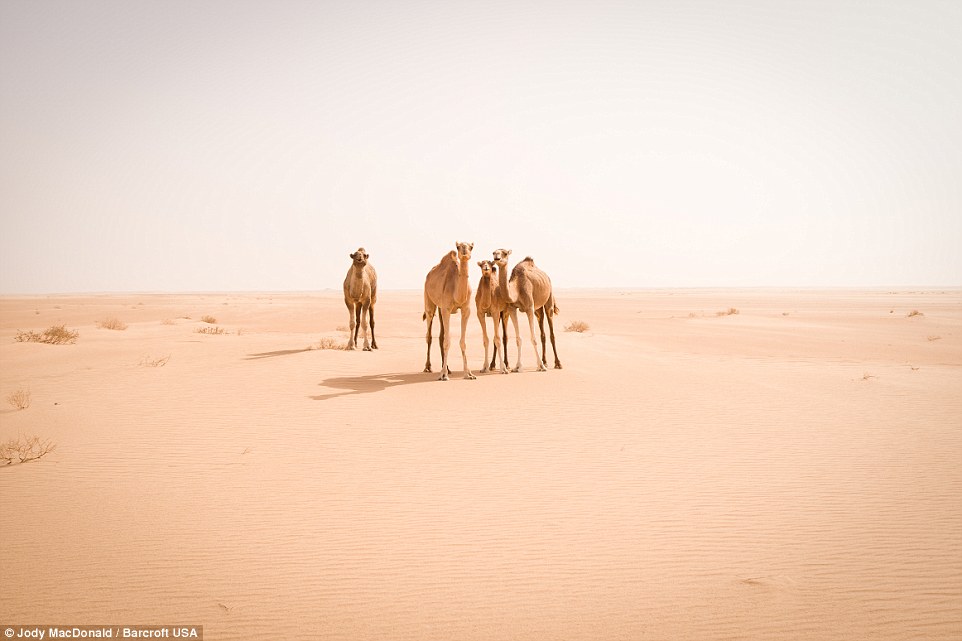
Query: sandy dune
[(793, 471)]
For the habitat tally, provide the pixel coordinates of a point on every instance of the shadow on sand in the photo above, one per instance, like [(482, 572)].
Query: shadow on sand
[(371, 383), (282, 352)]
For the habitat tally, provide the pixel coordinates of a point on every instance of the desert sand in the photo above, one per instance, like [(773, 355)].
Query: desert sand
[(792, 471)]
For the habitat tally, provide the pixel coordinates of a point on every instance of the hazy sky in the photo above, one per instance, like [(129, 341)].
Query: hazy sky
[(242, 145)]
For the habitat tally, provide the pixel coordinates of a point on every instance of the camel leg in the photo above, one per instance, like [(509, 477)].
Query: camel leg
[(497, 345), (445, 342), (534, 341), (430, 319), (494, 354), (517, 338), (544, 350), (465, 311), (352, 339), (373, 340), (554, 349), (484, 338), (504, 342), (365, 310)]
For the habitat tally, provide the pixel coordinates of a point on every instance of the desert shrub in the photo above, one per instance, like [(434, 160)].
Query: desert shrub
[(915, 312), (112, 323), (327, 342), (728, 312), (56, 335), (213, 329), (209, 319), (24, 448), (576, 326), (147, 361), (20, 399)]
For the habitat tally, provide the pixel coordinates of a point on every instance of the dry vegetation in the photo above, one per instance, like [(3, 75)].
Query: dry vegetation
[(167, 321), (211, 330), (56, 335), (329, 343), (112, 323), (24, 448), (731, 311), (915, 312), (147, 361), (577, 326), (20, 399), (209, 319)]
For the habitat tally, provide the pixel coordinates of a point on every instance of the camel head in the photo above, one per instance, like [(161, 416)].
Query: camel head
[(487, 268), (360, 257), (501, 257), (464, 250)]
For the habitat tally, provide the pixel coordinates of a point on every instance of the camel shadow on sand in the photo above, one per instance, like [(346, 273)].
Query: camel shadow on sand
[(371, 383)]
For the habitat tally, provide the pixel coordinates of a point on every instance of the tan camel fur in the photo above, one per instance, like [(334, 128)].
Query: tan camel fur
[(490, 300), (447, 290), (529, 290), (360, 294)]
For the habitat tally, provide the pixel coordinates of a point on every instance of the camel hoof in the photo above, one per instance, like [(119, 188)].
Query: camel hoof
[(427, 369), (515, 369), (373, 345), (367, 349), (484, 370), (443, 377), (558, 365), (471, 377)]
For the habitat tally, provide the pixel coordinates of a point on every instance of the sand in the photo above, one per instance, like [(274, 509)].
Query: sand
[(792, 471)]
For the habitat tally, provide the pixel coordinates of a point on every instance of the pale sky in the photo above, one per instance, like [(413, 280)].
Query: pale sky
[(253, 145)]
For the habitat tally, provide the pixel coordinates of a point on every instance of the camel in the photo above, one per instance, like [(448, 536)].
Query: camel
[(360, 294), (529, 290), (447, 290), (491, 301)]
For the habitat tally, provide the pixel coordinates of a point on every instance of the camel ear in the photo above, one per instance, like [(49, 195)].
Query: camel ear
[(507, 252), (470, 245), (366, 255), (353, 255), (480, 264)]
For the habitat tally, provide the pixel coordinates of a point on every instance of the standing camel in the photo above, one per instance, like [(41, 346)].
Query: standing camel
[(447, 290), (529, 290), (360, 294), (491, 301)]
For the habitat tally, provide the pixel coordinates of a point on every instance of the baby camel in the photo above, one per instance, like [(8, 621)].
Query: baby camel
[(490, 301), (447, 290), (360, 294)]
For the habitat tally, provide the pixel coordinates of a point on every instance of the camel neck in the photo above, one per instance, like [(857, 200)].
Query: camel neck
[(462, 289)]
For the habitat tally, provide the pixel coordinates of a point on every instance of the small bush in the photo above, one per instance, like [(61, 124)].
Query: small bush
[(20, 399), (56, 335), (329, 343), (210, 330), (209, 319), (731, 311), (915, 312), (147, 361), (23, 449), (112, 323), (576, 326)]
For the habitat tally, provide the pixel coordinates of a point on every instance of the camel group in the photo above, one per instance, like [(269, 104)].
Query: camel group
[(447, 290)]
